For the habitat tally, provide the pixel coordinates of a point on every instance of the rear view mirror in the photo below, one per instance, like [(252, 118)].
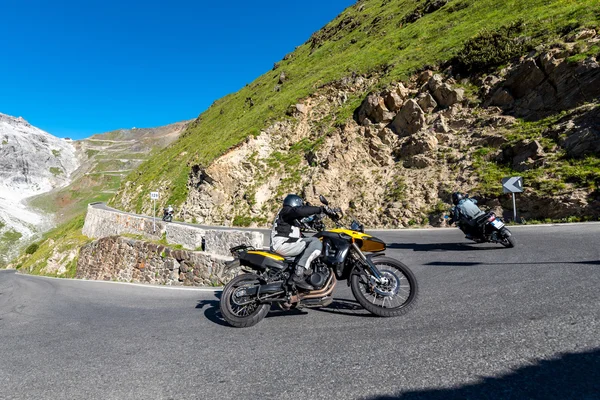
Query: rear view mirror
[(323, 200)]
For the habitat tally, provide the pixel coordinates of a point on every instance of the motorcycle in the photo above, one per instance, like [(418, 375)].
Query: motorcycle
[(488, 228), (382, 285), (168, 214)]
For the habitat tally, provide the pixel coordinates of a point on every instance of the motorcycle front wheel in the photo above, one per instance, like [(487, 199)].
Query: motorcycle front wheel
[(392, 298), (239, 310)]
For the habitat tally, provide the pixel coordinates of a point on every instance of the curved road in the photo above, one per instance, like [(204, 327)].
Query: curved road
[(491, 323)]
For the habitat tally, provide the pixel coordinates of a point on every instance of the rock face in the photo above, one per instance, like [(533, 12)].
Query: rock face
[(546, 84), (121, 259), (31, 162), (579, 136)]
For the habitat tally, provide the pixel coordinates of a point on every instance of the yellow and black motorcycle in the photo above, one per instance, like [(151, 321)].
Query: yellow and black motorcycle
[(382, 285)]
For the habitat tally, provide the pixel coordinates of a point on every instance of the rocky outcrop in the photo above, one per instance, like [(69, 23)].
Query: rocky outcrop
[(546, 83), (580, 136), (122, 259)]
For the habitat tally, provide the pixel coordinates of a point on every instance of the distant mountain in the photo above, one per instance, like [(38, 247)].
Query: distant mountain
[(104, 161), (31, 162), (45, 180)]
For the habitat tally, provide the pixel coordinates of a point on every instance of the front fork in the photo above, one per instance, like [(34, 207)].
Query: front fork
[(368, 262)]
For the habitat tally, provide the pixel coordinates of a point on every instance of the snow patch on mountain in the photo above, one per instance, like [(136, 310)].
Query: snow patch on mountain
[(32, 162)]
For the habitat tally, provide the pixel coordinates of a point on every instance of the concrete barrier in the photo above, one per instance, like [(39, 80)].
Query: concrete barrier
[(102, 221)]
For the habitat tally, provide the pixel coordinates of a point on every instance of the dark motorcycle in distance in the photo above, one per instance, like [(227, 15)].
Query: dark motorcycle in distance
[(382, 285), (488, 228), (168, 214)]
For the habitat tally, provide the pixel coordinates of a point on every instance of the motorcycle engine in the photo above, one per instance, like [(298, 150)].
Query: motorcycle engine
[(319, 276)]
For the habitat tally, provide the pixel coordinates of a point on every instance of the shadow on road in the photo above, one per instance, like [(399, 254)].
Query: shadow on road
[(345, 307), (440, 247), (213, 314), (570, 376), (475, 263)]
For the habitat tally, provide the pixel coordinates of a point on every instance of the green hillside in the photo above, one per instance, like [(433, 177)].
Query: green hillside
[(391, 38)]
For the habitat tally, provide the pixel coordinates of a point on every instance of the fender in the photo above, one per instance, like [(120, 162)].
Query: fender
[(355, 271)]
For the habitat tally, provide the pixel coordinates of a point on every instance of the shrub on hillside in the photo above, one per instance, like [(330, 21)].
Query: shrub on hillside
[(491, 48), (32, 248)]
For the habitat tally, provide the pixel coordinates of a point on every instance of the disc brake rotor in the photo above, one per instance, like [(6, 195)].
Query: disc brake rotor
[(389, 285)]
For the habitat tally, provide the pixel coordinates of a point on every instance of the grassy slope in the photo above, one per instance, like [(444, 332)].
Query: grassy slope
[(59, 240), (381, 39)]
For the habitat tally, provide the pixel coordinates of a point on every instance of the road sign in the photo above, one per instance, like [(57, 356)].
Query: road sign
[(154, 197), (512, 185)]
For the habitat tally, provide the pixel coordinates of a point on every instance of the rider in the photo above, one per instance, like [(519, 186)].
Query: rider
[(287, 240), (465, 213)]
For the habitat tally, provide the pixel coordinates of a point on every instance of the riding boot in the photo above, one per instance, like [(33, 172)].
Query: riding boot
[(300, 280)]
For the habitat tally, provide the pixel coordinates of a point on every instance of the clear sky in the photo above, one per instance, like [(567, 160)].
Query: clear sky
[(79, 67)]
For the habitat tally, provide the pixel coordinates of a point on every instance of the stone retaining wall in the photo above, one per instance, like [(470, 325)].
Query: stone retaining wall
[(117, 258), (100, 223)]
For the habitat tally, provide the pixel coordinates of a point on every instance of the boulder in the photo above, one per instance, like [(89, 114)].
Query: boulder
[(409, 120), (282, 78), (434, 83), (393, 100), (426, 102), (402, 91), (445, 95), (424, 77), (373, 108)]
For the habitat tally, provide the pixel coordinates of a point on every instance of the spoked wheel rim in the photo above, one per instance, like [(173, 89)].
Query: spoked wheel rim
[(394, 293), (239, 304)]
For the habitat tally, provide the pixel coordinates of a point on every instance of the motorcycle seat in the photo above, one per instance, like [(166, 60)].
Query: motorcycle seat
[(287, 259)]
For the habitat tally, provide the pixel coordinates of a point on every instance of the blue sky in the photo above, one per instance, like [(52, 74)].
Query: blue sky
[(75, 68)]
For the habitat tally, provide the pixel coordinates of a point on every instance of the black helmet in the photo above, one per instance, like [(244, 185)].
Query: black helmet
[(293, 200), (456, 197)]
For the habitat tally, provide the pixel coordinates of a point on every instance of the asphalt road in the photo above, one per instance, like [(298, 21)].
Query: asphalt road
[(491, 323)]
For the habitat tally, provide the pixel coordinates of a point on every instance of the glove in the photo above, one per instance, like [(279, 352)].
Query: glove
[(328, 210)]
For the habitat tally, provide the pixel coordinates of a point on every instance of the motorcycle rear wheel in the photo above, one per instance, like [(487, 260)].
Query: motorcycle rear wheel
[(242, 316), (508, 240), (401, 293)]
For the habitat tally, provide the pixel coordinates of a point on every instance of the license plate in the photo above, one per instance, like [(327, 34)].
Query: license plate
[(497, 224)]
